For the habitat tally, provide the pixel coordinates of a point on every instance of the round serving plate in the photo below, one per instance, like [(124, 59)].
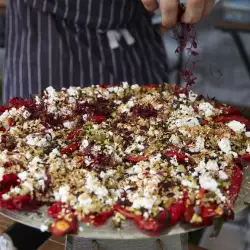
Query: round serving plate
[(128, 231)]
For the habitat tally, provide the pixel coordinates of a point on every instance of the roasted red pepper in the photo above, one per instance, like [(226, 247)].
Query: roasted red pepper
[(106, 86), (4, 108), (56, 209), (235, 186), (71, 148), (73, 134), (136, 159), (97, 118), (181, 157), (152, 226), (98, 220), (230, 110), (64, 226), (245, 157), (176, 211), (11, 122), (229, 118), (25, 202), (18, 102), (122, 210), (8, 181)]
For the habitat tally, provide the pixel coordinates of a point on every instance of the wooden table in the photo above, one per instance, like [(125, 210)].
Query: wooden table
[(234, 28)]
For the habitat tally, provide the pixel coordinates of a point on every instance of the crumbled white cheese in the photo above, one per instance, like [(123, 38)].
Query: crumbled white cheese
[(208, 183), (247, 134), (212, 165), (237, 126), (3, 157), (185, 121), (175, 140), (5, 196), (26, 114), (28, 155), (85, 117), (51, 92), (69, 124), (28, 185), (220, 195), (125, 85), (155, 159), (206, 108), (174, 161), (225, 145), (37, 140), (84, 200), (143, 202), (199, 145), (135, 86), (94, 185), (62, 194), (54, 153), (187, 183), (72, 91), (2, 170), (223, 175), (248, 148), (192, 96), (23, 176)]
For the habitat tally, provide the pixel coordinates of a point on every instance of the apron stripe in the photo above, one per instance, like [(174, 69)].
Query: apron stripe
[(50, 50), (61, 63), (39, 49), (89, 45), (63, 43), (29, 50), (78, 44)]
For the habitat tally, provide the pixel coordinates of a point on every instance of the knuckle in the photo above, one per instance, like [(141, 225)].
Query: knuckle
[(193, 19), (168, 23), (195, 2)]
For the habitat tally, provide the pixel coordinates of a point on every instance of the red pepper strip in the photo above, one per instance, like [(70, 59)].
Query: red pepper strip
[(3, 109), (2, 129), (230, 111), (229, 118), (181, 157), (136, 159), (98, 219), (235, 186), (176, 211), (73, 134), (245, 157), (25, 202), (11, 122), (151, 225), (56, 209), (97, 118), (122, 210), (70, 148), (151, 86), (106, 86), (8, 181), (18, 102), (63, 226)]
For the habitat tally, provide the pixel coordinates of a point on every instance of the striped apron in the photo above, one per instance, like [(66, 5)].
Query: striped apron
[(64, 43)]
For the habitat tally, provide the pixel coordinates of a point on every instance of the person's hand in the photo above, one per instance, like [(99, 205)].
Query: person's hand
[(195, 10)]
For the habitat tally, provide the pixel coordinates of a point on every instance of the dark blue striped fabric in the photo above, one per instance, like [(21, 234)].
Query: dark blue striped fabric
[(64, 43)]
